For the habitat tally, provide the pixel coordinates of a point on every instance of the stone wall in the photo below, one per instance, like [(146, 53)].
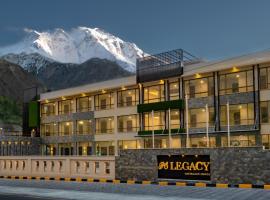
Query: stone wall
[(228, 165)]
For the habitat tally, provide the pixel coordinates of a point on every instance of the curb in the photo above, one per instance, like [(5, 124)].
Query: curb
[(132, 182)]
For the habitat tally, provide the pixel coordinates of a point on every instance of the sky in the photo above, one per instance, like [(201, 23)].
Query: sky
[(210, 29)]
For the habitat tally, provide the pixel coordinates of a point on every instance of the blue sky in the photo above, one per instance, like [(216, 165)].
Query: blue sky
[(210, 29)]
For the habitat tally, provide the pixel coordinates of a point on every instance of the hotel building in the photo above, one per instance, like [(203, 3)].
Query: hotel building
[(104, 117)]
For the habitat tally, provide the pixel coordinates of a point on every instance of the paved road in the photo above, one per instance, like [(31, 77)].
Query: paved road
[(33, 189)]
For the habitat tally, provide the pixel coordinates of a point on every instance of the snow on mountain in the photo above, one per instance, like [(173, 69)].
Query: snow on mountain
[(75, 46)]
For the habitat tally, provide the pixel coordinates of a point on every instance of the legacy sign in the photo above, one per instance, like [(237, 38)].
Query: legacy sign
[(190, 167)]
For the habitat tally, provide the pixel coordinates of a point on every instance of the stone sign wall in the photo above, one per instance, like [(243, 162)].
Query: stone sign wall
[(228, 165)]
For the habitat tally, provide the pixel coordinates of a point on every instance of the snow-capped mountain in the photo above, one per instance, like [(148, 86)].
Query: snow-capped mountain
[(75, 46)]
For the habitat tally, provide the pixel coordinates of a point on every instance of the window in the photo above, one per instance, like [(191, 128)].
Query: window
[(240, 114), (65, 128), (239, 141), (104, 101), (159, 121), (202, 142), (107, 168), (104, 125), (105, 148), (200, 87), (175, 119), (47, 109), (197, 117), (127, 144), (159, 143), (84, 148), (50, 150), (66, 149), (266, 141), (50, 129), (174, 90), (65, 106), (84, 127), (154, 93), (83, 104), (236, 82), (265, 111), (264, 78), (128, 97), (128, 123)]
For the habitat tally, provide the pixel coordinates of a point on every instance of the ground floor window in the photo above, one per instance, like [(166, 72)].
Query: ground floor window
[(105, 148), (202, 141), (162, 143), (50, 150), (266, 141), (239, 141), (66, 149), (129, 144), (84, 148)]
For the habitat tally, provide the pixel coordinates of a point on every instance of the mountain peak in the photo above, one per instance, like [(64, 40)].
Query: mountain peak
[(76, 46)]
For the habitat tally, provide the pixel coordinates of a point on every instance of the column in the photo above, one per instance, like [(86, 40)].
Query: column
[(182, 96), (256, 93), (216, 108), (115, 124)]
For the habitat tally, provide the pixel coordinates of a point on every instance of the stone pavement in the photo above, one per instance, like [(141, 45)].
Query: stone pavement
[(103, 191)]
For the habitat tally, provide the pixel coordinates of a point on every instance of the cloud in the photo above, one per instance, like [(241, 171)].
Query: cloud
[(28, 30)]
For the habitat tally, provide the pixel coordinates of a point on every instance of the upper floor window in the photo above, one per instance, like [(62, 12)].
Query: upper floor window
[(104, 101), (65, 128), (50, 129), (236, 82), (265, 78), (153, 94), (84, 127), (158, 121), (175, 119), (199, 87), (198, 116), (128, 123), (104, 125), (265, 111), (65, 106), (240, 114), (84, 104), (128, 97), (47, 109), (174, 90)]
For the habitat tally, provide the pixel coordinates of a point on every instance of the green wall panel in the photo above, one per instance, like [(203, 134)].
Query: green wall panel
[(165, 105), (33, 114)]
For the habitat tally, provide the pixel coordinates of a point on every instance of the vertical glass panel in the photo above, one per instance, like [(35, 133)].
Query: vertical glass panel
[(174, 90), (104, 101), (65, 106), (175, 119), (158, 119), (128, 123), (83, 104), (104, 125), (84, 127), (197, 117), (128, 97), (65, 128), (48, 109), (153, 93)]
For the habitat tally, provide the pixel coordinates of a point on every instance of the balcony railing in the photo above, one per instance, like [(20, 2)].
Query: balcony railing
[(163, 65)]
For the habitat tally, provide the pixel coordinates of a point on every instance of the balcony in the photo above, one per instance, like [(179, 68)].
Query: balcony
[(163, 65)]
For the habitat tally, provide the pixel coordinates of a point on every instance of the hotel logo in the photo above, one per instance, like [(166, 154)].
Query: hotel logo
[(189, 167)]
